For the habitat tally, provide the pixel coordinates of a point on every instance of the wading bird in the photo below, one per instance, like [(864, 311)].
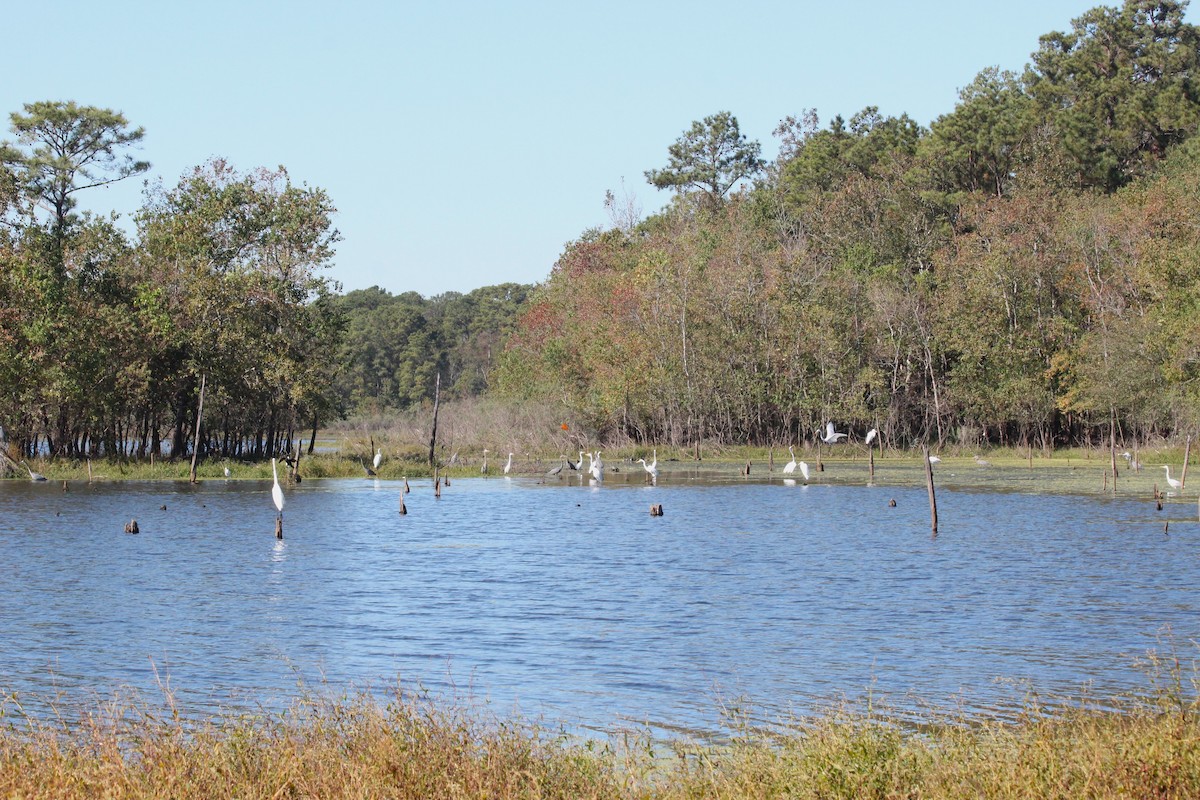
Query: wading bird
[(227, 473), (370, 472), (871, 434), (831, 436), (597, 467), (934, 459), (378, 458), (34, 476), (804, 469), (276, 491), (790, 467), (651, 469), (554, 472), (1174, 484), (983, 462), (575, 465), (508, 466)]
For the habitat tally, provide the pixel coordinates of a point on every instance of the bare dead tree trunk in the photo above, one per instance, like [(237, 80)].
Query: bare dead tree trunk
[(437, 390), (196, 436)]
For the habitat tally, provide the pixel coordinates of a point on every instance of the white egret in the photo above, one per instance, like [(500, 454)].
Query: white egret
[(804, 469), (1174, 484), (934, 459), (575, 465), (276, 491), (651, 469), (227, 473), (790, 467), (983, 462), (597, 468), (871, 434), (508, 466), (34, 476), (831, 436), (378, 458)]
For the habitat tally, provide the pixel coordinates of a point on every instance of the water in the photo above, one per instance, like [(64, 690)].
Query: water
[(572, 604)]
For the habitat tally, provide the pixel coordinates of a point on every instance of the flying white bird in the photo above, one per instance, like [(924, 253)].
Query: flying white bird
[(831, 436)]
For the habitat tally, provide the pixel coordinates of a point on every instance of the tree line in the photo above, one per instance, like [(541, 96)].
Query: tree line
[(1023, 270), (211, 328)]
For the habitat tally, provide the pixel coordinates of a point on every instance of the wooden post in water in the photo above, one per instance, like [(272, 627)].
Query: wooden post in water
[(437, 484), (1112, 444), (196, 437), (403, 508), (279, 527), (1187, 455), (871, 463), (771, 459), (437, 389), (929, 485)]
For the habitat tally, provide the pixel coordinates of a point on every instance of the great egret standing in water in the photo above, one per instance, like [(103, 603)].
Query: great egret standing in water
[(790, 467), (276, 491), (804, 470), (508, 466), (378, 458), (597, 468), (652, 468), (1174, 484), (34, 476)]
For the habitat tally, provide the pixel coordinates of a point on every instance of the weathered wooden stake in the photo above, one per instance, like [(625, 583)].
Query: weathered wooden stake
[(771, 460), (1187, 455), (929, 485), (196, 436), (1112, 445), (437, 390), (89, 463), (406, 489), (871, 463), (279, 527), (403, 508), (437, 484), (1105, 481), (131, 526)]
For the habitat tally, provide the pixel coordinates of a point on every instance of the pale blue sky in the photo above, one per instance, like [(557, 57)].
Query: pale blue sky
[(465, 143)]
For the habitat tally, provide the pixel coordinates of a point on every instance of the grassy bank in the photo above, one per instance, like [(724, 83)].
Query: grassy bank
[(358, 747)]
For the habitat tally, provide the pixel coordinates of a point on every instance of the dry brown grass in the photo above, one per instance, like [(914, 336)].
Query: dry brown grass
[(358, 747)]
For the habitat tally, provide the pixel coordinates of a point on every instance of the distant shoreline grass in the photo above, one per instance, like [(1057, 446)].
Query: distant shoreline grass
[(405, 747)]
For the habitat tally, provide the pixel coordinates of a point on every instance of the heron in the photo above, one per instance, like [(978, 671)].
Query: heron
[(934, 459), (651, 469), (831, 436), (983, 462), (1174, 484), (378, 458), (597, 468), (871, 434), (34, 476), (577, 465), (508, 466), (227, 472), (804, 469), (554, 472), (1135, 465), (790, 467), (370, 472), (276, 490)]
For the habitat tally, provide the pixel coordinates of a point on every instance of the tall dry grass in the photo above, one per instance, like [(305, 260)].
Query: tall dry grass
[(360, 747)]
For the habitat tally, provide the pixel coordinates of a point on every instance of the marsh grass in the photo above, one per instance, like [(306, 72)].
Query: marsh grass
[(360, 746)]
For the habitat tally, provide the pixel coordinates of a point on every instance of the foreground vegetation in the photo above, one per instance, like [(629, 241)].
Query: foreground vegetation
[(411, 747)]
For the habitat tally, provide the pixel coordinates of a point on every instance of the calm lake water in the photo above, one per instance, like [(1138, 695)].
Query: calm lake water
[(570, 603)]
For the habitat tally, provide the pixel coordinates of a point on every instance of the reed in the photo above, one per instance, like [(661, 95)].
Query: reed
[(405, 747)]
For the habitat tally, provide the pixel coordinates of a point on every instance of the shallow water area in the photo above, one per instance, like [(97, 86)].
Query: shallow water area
[(568, 601)]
